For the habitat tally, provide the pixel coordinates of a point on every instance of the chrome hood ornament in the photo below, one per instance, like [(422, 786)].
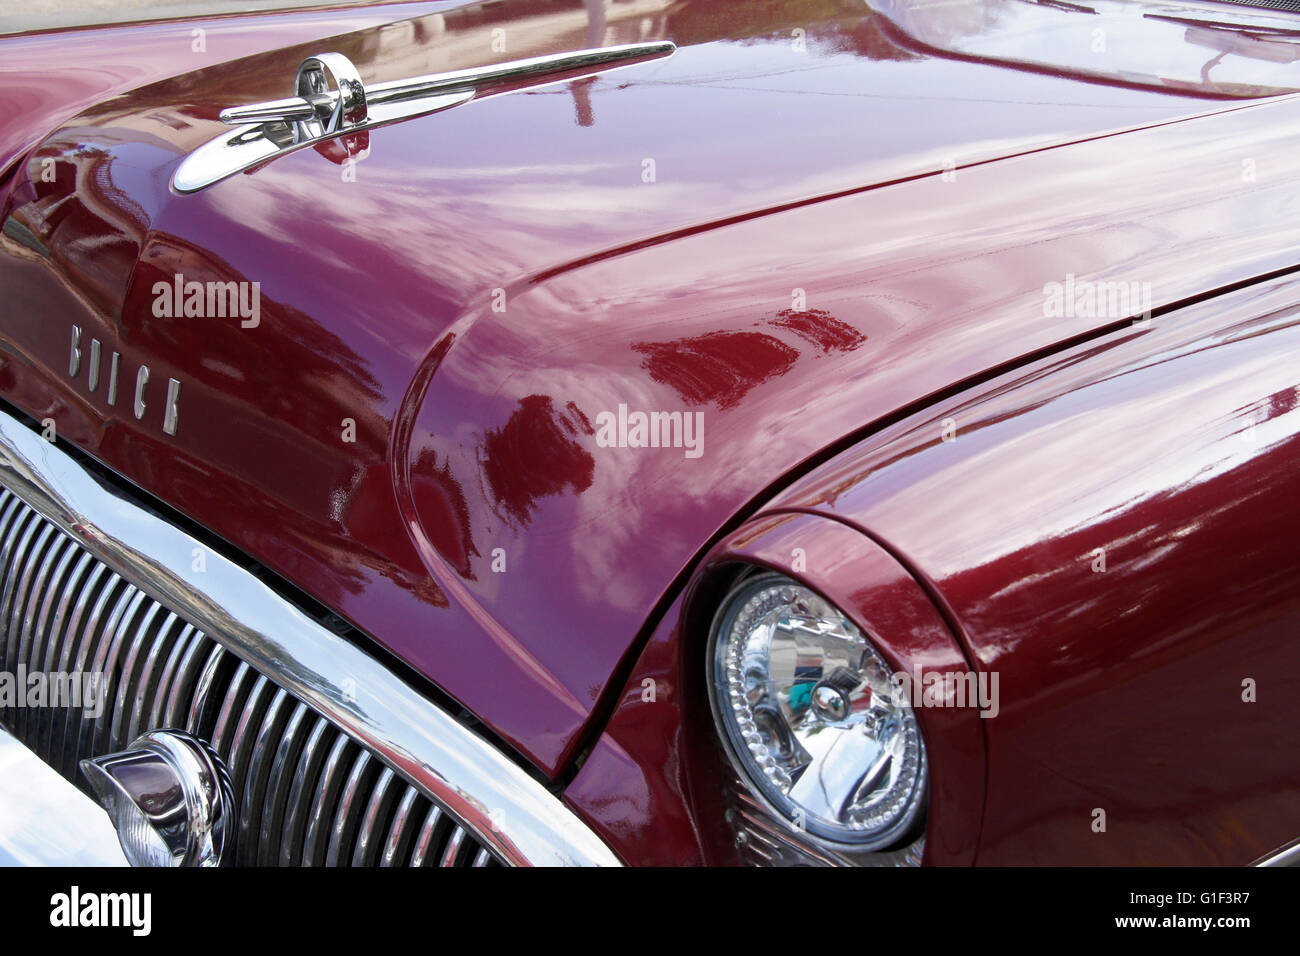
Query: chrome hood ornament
[(331, 101)]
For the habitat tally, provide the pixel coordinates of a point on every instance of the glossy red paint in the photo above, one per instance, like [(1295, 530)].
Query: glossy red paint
[(653, 783), (1114, 531), (476, 428), (48, 78)]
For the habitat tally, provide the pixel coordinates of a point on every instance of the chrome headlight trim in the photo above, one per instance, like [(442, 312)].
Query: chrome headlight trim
[(508, 810), (891, 841)]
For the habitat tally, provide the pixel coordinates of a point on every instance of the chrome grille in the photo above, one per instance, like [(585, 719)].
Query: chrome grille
[(308, 794)]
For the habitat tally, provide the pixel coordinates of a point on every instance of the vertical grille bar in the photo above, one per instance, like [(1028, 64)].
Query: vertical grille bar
[(401, 835), (298, 807), (279, 784)]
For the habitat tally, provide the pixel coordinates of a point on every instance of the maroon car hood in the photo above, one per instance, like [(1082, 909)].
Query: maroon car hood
[(793, 228)]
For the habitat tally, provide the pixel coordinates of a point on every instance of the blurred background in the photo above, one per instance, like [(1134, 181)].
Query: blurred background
[(17, 16)]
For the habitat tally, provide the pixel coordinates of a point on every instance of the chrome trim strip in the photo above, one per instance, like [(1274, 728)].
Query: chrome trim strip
[(405, 730), (307, 107), (1288, 855)]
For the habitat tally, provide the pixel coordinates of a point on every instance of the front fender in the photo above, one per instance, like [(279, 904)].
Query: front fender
[(654, 784)]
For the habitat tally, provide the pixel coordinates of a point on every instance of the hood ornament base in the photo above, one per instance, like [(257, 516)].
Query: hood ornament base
[(331, 101)]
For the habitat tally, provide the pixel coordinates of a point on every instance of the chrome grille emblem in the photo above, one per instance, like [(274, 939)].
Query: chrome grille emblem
[(330, 101), (169, 797)]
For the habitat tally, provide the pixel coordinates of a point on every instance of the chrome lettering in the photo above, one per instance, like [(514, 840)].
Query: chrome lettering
[(95, 372), (74, 362), (171, 414), (141, 380), (94, 364), (112, 378)]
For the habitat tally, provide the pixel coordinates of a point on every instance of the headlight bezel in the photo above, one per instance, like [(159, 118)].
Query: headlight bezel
[(906, 834)]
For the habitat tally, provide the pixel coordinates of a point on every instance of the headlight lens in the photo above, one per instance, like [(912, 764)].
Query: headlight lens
[(812, 717)]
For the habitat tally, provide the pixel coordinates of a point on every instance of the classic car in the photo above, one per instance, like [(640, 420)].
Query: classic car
[(652, 432)]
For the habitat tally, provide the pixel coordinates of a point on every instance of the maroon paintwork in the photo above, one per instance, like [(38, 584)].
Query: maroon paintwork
[(841, 234), (1176, 449)]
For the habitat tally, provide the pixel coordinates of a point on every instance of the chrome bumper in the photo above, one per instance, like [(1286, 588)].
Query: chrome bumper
[(46, 821)]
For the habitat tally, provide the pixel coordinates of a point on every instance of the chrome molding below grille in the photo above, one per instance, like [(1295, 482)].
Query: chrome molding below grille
[(259, 691)]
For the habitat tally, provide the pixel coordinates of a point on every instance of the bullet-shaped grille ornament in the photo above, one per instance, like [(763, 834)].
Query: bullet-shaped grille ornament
[(169, 797)]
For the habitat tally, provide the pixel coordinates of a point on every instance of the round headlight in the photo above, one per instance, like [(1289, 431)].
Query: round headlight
[(812, 717)]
